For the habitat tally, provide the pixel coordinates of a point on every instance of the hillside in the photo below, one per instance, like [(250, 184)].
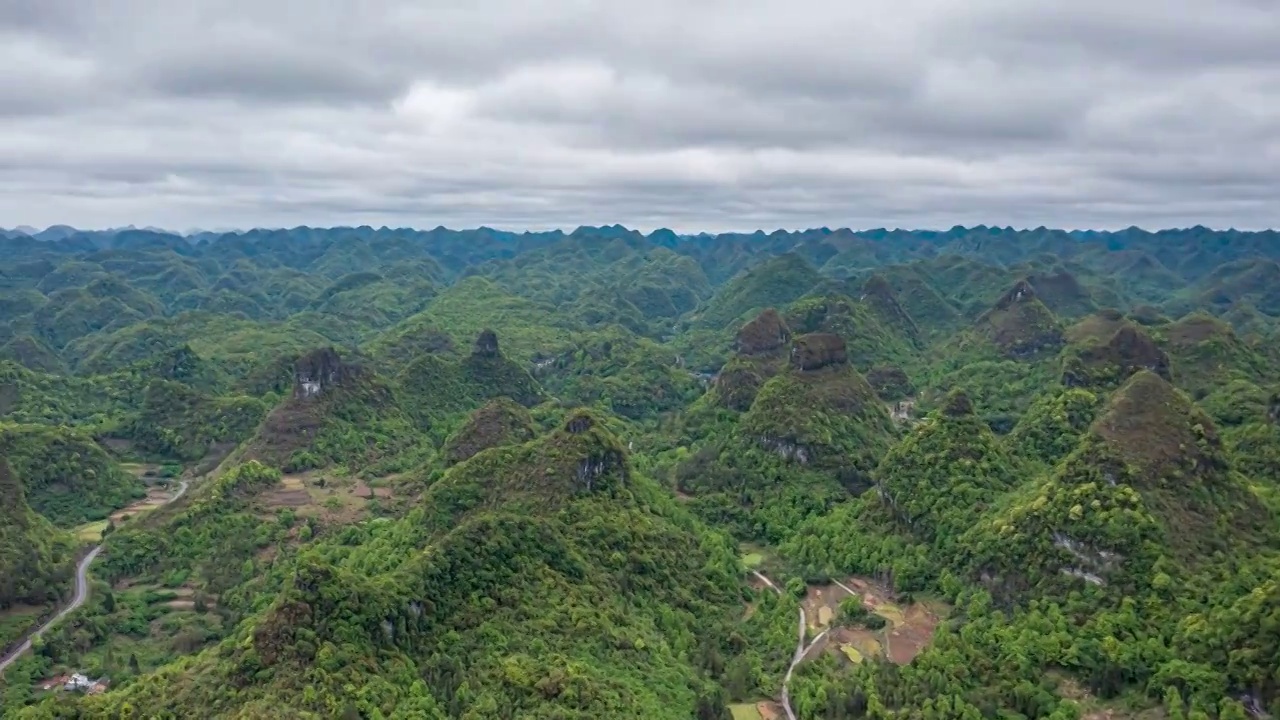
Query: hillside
[(374, 472), (36, 560), (562, 530), (68, 478)]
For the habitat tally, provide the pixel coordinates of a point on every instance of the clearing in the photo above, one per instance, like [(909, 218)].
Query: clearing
[(1091, 708), (763, 710), (156, 497), (17, 620), (909, 629), (91, 533), (332, 500)]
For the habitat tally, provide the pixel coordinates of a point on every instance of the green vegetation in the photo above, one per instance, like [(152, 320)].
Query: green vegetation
[(1013, 475), (68, 478), (36, 557)]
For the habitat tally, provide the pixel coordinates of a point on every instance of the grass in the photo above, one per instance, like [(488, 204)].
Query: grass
[(91, 532), (753, 556), (745, 711)]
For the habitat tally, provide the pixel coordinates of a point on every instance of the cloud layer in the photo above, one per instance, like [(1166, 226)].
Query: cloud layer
[(691, 114)]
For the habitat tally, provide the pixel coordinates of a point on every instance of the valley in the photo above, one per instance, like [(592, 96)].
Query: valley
[(388, 473)]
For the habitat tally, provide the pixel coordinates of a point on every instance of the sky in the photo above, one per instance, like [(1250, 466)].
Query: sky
[(689, 114)]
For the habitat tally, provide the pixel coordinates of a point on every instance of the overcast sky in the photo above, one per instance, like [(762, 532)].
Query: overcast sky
[(690, 114)]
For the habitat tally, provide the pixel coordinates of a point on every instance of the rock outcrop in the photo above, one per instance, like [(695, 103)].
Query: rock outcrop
[(1020, 326), (957, 405), (890, 382), (486, 345), (817, 351), (765, 334), (319, 371), (760, 350)]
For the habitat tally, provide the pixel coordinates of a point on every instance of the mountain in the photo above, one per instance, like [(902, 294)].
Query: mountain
[(498, 422), (1019, 325), (761, 349), (487, 473), (772, 283), (436, 385), (562, 530), (68, 477), (1151, 476), (337, 411), (948, 471), (36, 559)]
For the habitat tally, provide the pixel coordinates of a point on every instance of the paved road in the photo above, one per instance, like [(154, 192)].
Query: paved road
[(82, 594)]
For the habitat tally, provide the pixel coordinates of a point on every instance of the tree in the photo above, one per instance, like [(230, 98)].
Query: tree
[(737, 681), (796, 587)]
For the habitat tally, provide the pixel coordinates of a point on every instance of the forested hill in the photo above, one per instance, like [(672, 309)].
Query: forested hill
[(481, 474)]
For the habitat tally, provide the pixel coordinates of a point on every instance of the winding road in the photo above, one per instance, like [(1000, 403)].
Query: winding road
[(801, 649), (81, 594)]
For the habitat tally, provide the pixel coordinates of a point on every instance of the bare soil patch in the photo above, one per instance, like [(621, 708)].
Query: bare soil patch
[(822, 605), (155, 498), (118, 446), (864, 643), (909, 630), (769, 710), (362, 490), (288, 499), (909, 639)]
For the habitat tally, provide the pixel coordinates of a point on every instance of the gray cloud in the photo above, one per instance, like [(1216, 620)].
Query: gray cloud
[(695, 114)]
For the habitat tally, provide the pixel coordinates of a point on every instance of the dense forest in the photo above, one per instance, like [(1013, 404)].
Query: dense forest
[(391, 473)]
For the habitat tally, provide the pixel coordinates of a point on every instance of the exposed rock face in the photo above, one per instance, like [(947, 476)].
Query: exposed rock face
[(817, 351), (579, 423), (889, 382), (788, 450), (593, 467), (957, 404), (766, 333), (1020, 292), (319, 371), (486, 345)]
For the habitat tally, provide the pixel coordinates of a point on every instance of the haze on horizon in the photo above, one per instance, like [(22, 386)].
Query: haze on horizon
[(689, 115)]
